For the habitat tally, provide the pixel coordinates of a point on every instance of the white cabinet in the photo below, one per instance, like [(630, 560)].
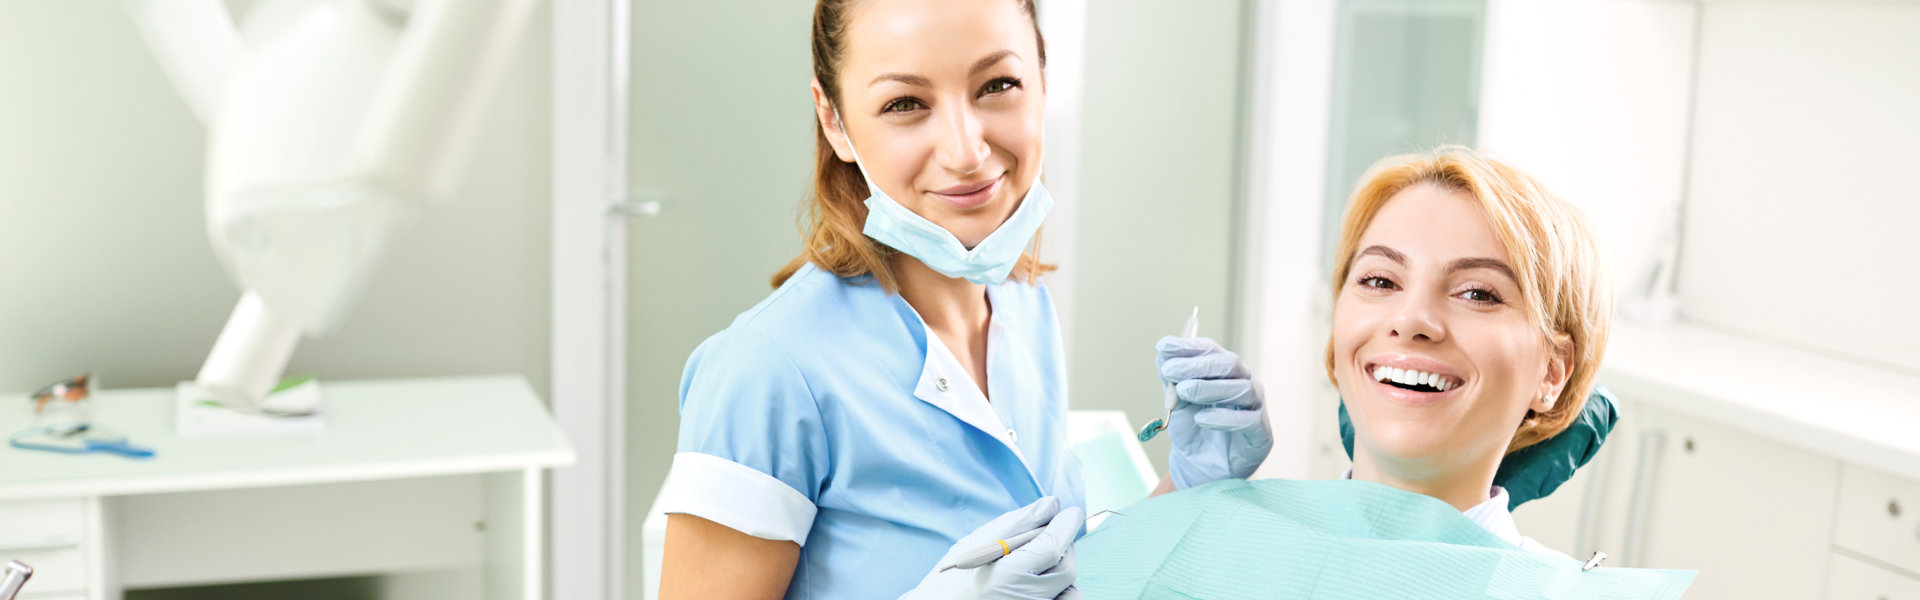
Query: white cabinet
[(1854, 579), (1758, 517), (1753, 515), (50, 536), (1879, 517), (376, 493), (1876, 538)]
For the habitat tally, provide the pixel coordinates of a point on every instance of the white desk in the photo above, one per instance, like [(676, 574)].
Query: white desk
[(439, 477)]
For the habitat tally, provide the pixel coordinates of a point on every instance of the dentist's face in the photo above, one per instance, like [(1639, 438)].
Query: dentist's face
[(944, 102), (1433, 351)]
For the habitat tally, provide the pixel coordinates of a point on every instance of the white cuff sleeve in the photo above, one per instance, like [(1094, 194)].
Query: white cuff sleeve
[(737, 496)]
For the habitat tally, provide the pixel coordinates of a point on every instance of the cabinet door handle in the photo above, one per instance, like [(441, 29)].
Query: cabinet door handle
[(1652, 443)]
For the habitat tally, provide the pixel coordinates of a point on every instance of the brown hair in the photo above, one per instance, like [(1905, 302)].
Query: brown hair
[(835, 212), (1555, 254)]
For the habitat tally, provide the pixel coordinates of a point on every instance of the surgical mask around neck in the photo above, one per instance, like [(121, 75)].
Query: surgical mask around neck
[(988, 262)]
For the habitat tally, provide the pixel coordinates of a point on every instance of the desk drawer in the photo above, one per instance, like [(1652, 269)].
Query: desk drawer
[(54, 570), (42, 524), (1850, 579), (1879, 517)]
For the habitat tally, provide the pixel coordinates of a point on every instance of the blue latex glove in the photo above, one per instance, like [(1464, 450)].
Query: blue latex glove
[(1040, 570), (1219, 426)]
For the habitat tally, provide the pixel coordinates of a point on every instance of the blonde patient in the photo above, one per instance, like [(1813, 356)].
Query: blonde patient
[(1470, 315)]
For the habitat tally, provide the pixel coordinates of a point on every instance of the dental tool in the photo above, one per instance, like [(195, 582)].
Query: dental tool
[(986, 554), (1154, 427), (14, 578)]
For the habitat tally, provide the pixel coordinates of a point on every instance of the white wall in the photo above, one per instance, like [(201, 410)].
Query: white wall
[(104, 263), (1155, 230), (1592, 97), (1785, 130), (1802, 201)]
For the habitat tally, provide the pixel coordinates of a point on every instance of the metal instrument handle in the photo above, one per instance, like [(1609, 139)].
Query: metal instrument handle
[(16, 577)]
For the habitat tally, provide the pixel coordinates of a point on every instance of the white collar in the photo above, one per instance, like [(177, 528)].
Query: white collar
[(1494, 516), (948, 386)]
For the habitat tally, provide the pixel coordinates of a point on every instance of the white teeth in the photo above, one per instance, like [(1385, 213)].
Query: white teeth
[(1413, 377)]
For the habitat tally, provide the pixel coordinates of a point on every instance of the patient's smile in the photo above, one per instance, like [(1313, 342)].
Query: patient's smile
[(1413, 379)]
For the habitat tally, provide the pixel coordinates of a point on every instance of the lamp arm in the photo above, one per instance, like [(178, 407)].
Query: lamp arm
[(197, 46)]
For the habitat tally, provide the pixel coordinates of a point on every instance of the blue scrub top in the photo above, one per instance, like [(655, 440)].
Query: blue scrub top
[(820, 416)]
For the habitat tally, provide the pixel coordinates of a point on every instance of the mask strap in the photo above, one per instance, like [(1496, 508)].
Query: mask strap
[(848, 137)]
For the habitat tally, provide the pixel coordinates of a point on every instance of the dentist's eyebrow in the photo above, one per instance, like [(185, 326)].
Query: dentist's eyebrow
[(1481, 263), (913, 80), (983, 64), (989, 61)]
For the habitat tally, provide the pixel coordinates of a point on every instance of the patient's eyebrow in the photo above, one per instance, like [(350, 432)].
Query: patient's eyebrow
[(1481, 263), (1382, 251)]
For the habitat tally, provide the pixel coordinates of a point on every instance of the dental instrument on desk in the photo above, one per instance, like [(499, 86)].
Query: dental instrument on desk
[(63, 422), (1154, 427)]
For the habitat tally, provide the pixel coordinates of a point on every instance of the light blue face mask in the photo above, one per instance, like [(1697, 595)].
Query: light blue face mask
[(988, 262)]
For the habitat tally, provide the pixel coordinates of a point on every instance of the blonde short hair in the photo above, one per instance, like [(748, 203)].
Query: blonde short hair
[(1556, 258)]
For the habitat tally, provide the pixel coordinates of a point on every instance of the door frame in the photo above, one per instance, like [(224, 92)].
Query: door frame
[(1282, 298), (591, 40)]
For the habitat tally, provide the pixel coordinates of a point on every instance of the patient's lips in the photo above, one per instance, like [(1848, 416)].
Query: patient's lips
[(1413, 379)]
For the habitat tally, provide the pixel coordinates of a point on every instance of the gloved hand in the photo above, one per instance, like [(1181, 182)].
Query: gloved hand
[(1219, 426), (1040, 570)]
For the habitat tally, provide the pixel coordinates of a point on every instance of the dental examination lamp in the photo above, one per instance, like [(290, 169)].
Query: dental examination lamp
[(332, 125)]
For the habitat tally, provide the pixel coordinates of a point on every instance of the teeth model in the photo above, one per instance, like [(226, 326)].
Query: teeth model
[(1413, 377)]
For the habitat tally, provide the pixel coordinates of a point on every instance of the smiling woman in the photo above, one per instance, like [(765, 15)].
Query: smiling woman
[(899, 401), (1471, 313)]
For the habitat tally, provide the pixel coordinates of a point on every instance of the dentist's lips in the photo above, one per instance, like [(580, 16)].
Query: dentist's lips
[(970, 195)]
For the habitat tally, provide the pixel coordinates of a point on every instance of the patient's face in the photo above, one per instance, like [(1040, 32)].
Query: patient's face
[(1433, 350)]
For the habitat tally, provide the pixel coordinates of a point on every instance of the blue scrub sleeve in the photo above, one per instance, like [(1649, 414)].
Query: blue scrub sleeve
[(752, 452)]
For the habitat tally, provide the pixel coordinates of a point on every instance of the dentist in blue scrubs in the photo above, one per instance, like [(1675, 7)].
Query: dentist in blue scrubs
[(900, 398)]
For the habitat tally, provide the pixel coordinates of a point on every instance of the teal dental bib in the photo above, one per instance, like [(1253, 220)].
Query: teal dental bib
[(1279, 538)]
